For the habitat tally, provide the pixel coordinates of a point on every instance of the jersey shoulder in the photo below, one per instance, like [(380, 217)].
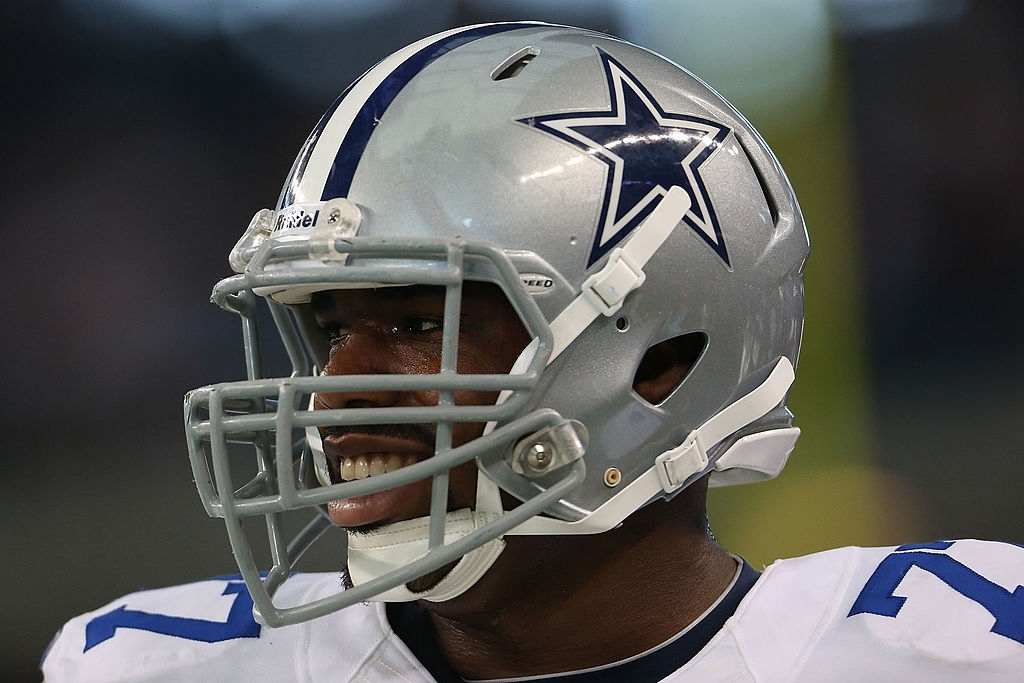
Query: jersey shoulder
[(206, 631), (922, 611)]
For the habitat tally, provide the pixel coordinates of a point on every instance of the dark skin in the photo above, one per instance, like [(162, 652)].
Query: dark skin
[(565, 587)]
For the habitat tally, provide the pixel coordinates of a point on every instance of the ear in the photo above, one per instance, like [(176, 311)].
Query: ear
[(666, 364)]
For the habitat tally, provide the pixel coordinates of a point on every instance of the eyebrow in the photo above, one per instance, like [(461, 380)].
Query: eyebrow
[(324, 305)]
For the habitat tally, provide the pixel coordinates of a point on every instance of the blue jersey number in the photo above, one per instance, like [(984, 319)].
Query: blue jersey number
[(877, 595), (239, 623)]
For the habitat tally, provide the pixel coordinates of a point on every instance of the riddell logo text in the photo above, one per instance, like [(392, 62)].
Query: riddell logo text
[(297, 219)]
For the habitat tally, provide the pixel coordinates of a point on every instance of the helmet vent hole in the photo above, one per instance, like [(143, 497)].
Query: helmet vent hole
[(622, 324), (666, 364), (773, 209), (514, 65)]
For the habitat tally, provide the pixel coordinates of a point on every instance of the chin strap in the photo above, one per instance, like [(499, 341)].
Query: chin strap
[(374, 554), (316, 447), (765, 452), (604, 292)]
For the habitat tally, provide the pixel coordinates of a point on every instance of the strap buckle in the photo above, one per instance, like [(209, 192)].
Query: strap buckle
[(606, 289), (674, 467)]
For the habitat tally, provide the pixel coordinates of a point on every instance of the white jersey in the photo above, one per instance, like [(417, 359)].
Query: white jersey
[(936, 612)]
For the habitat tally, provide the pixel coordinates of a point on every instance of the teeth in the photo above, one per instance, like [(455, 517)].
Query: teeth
[(376, 465), (361, 467)]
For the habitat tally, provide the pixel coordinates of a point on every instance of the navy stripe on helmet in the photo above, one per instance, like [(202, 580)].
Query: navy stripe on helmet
[(301, 161), (339, 180)]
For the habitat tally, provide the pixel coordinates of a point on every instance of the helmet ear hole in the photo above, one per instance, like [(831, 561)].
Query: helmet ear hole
[(666, 364)]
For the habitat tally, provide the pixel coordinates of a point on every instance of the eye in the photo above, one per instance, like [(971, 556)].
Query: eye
[(420, 326), (336, 335)]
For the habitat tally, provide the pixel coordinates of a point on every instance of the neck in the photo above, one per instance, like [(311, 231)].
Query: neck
[(556, 604)]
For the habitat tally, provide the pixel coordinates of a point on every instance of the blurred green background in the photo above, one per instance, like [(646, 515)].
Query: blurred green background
[(140, 136)]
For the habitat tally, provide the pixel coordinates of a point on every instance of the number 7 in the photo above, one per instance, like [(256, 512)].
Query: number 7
[(877, 595)]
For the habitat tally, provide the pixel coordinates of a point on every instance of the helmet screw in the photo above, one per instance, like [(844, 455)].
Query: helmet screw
[(538, 457), (612, 477)]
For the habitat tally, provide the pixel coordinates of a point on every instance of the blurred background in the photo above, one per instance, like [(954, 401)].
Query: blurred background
[(139, 136)]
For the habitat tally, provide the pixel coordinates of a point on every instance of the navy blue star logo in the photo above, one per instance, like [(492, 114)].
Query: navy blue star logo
[(647, 151)]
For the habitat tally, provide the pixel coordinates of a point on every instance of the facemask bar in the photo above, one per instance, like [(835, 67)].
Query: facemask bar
[(247, 411)]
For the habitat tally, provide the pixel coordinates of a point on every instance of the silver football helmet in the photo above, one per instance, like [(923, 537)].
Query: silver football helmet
[(615, 199)]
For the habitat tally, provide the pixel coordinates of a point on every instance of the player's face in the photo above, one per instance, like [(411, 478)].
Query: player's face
[(397, 330)]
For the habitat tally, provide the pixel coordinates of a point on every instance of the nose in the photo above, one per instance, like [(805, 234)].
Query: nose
[(361, 354)]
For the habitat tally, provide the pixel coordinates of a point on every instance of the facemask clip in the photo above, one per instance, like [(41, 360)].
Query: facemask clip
[(550, 448), (341, 219)]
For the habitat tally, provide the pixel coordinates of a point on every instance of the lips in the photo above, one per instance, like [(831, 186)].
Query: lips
[(356, 455)]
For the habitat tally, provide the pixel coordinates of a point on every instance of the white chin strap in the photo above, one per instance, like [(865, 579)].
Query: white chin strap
[(379, 552), (754, 457), (375, 553)]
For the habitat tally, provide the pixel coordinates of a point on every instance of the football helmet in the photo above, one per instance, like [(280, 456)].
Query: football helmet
[(615, 199)]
